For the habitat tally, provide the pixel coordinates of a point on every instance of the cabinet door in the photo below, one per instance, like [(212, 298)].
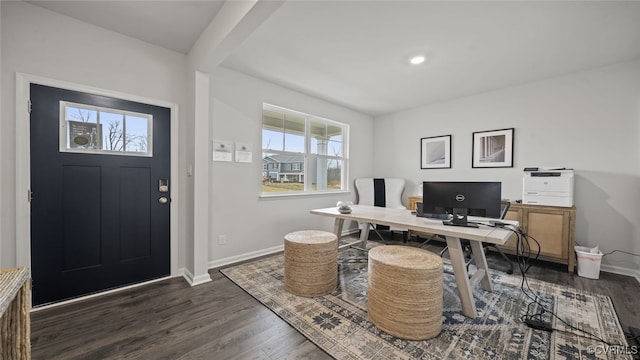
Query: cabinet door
[(513, 214), (551, 229)]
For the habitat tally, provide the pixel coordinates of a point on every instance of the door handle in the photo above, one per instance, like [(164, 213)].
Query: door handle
[(163, 200)]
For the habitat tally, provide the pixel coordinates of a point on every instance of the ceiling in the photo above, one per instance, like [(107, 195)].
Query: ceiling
[(171, 24), (355, 53)]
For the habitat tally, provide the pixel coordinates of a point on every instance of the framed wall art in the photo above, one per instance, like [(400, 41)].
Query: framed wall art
[(493, 149), (435, 152)]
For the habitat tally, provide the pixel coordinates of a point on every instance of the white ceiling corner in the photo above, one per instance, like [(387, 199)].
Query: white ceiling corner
[(172, 24), (355, 53)]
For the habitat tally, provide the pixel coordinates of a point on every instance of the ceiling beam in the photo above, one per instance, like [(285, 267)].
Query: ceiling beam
[(234, 23)]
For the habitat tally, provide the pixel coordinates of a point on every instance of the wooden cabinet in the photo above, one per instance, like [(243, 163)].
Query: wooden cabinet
[(552, 226)]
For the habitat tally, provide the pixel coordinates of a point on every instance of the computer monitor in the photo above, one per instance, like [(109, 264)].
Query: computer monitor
[(462, 198)]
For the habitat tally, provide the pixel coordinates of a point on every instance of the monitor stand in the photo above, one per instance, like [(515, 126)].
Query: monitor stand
[(460, 220)]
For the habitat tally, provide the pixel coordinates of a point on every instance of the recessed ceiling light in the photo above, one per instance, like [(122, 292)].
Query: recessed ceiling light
[(416, 60)]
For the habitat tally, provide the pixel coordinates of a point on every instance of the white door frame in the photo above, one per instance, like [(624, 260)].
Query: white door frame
[(23, 160)]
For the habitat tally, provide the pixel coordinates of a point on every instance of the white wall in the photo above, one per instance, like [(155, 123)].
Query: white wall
[(249, 223), (588, 121), (39, 42)]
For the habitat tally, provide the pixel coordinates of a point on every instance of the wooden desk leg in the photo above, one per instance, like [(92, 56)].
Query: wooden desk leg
[(462, 278), (481, 264)]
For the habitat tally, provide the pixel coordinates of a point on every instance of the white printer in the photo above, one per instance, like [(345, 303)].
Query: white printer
[(548, 187)]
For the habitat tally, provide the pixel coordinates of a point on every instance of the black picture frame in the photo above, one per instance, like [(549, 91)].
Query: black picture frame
[(493, 148), (435, 152)]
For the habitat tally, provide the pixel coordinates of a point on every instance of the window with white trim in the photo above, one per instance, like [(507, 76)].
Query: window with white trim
[(93, 129), (302, 153)]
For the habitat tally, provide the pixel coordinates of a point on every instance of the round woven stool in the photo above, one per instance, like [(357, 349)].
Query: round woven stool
[(310, 262), (404, 293)]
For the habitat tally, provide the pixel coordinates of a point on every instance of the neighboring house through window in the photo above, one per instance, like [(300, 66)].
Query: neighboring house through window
[(302, 153)]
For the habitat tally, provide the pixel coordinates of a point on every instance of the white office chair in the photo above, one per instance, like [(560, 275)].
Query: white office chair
[(384, 192)]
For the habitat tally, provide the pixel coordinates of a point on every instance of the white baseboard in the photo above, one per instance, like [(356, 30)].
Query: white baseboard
[(621, 271), (246, 256), (350, 231), (205, 278), (254, 254), (197, 280)]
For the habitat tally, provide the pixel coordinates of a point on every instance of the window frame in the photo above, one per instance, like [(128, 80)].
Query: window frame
[(308, 155), (64, 134)]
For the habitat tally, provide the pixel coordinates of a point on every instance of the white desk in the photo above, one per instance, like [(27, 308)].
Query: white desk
[(404, 219)]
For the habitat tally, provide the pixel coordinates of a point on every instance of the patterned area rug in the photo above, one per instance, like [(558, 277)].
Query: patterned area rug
[(338, 322)]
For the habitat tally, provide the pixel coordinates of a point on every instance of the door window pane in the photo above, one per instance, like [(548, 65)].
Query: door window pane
[(81, 115), (137, 134), (83, 130), (92, 129), (113, 135)]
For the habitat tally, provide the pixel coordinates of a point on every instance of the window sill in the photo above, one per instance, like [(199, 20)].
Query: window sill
[(280, 196)]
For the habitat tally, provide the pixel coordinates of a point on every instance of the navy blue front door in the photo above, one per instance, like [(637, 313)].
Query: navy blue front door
[(97, 221)]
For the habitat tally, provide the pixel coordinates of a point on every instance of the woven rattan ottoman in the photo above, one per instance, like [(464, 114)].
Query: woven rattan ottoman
[(404, 294), (310, 262)]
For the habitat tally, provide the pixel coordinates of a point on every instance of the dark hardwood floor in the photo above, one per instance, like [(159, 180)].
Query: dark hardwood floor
[(218, 320), (168, 320)]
